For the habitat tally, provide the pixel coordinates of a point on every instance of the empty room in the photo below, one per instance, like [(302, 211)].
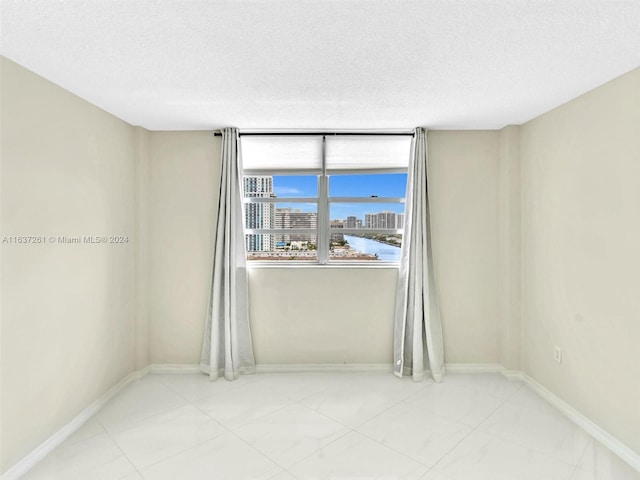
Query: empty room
[(295, 240)]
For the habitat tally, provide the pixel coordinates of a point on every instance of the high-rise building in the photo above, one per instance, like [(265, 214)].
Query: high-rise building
[(351, 222), (386, 219), (259, 215), (295, 218), (399, 220), (337, 237), (370, 220)]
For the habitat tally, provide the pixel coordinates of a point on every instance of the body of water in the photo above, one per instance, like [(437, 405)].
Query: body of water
[(386, 253)]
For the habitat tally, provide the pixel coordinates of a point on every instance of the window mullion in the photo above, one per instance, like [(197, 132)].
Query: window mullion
[(323, 210)]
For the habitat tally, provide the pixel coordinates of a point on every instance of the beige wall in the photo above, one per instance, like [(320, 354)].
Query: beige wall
[(356, 304), (509, 249), (463, 168), (322, 315), (67, 310), (183, 202), (581, 255)]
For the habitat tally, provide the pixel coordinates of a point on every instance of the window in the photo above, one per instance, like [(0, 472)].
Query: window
[(324, 198)]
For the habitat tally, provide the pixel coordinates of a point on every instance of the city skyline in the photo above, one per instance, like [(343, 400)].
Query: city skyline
[(390, 185)]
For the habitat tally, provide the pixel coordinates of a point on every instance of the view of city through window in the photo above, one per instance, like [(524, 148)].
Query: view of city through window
[(284, 212)]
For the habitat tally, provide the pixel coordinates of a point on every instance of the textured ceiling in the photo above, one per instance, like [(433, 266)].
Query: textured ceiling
[(360, 64)]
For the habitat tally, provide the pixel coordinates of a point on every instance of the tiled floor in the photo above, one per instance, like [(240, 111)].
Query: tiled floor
[(330, 426)]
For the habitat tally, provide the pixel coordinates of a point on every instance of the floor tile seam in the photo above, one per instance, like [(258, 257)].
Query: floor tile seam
[(317, 393), (247, 422), (307, 407), (66, 443), (298, 400), (471, 432), (445, 417), (210, 417), (435, 465), (428, 467), (169, 457), (573, 471), (491, 434), (348, 427), (207, 395), (125, 456), (281, 471), (495, 435), (559, 414), (140, 420), (547, 405), (272, 460), (466, 389), (378, 414), (178, 392), (490, 414), (527, 447), (302, 459)]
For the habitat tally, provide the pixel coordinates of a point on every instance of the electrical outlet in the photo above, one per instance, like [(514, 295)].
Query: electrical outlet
[(557, 354)]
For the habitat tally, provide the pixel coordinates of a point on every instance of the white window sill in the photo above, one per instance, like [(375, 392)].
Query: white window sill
[(298, 265)]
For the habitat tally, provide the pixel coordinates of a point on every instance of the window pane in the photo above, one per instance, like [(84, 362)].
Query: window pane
[(282, 247), (365, 247), (371, 185), (288, 186), (367, 215)]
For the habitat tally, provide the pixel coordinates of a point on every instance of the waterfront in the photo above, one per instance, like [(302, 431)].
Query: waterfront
[(386, 253)]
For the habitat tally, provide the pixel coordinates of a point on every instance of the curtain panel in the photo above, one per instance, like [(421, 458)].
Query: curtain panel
[(227, 349), (418, 345)]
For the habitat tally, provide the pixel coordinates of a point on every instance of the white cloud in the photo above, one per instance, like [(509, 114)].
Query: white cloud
[(287, 191)]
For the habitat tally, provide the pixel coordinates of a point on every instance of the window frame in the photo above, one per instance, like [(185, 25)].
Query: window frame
[(323, 229)]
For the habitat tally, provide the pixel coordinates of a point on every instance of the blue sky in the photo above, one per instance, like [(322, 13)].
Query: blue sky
[(387, 185)]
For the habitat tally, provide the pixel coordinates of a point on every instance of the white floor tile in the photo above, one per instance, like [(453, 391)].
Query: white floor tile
[(599, 462), (139, 400), (547, 432), (238, 406), (193, 386), (88, 430), (97, 458), (484, 457), (456, 403), (164, 435), (135, 476), (297, 386), (491, 383), (283, 476), (354, 456), (290, 434), (353, 404), (526, 397), (225, 457), (433, 475), (300, 426), (416, 432)]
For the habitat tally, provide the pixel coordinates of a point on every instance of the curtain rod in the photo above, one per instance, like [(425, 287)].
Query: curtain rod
[(217, 133)]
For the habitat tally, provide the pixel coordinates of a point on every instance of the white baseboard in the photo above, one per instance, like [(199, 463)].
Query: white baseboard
[(324, 367), (472, 367), (601, 435), (46, 447), (174, 368)]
